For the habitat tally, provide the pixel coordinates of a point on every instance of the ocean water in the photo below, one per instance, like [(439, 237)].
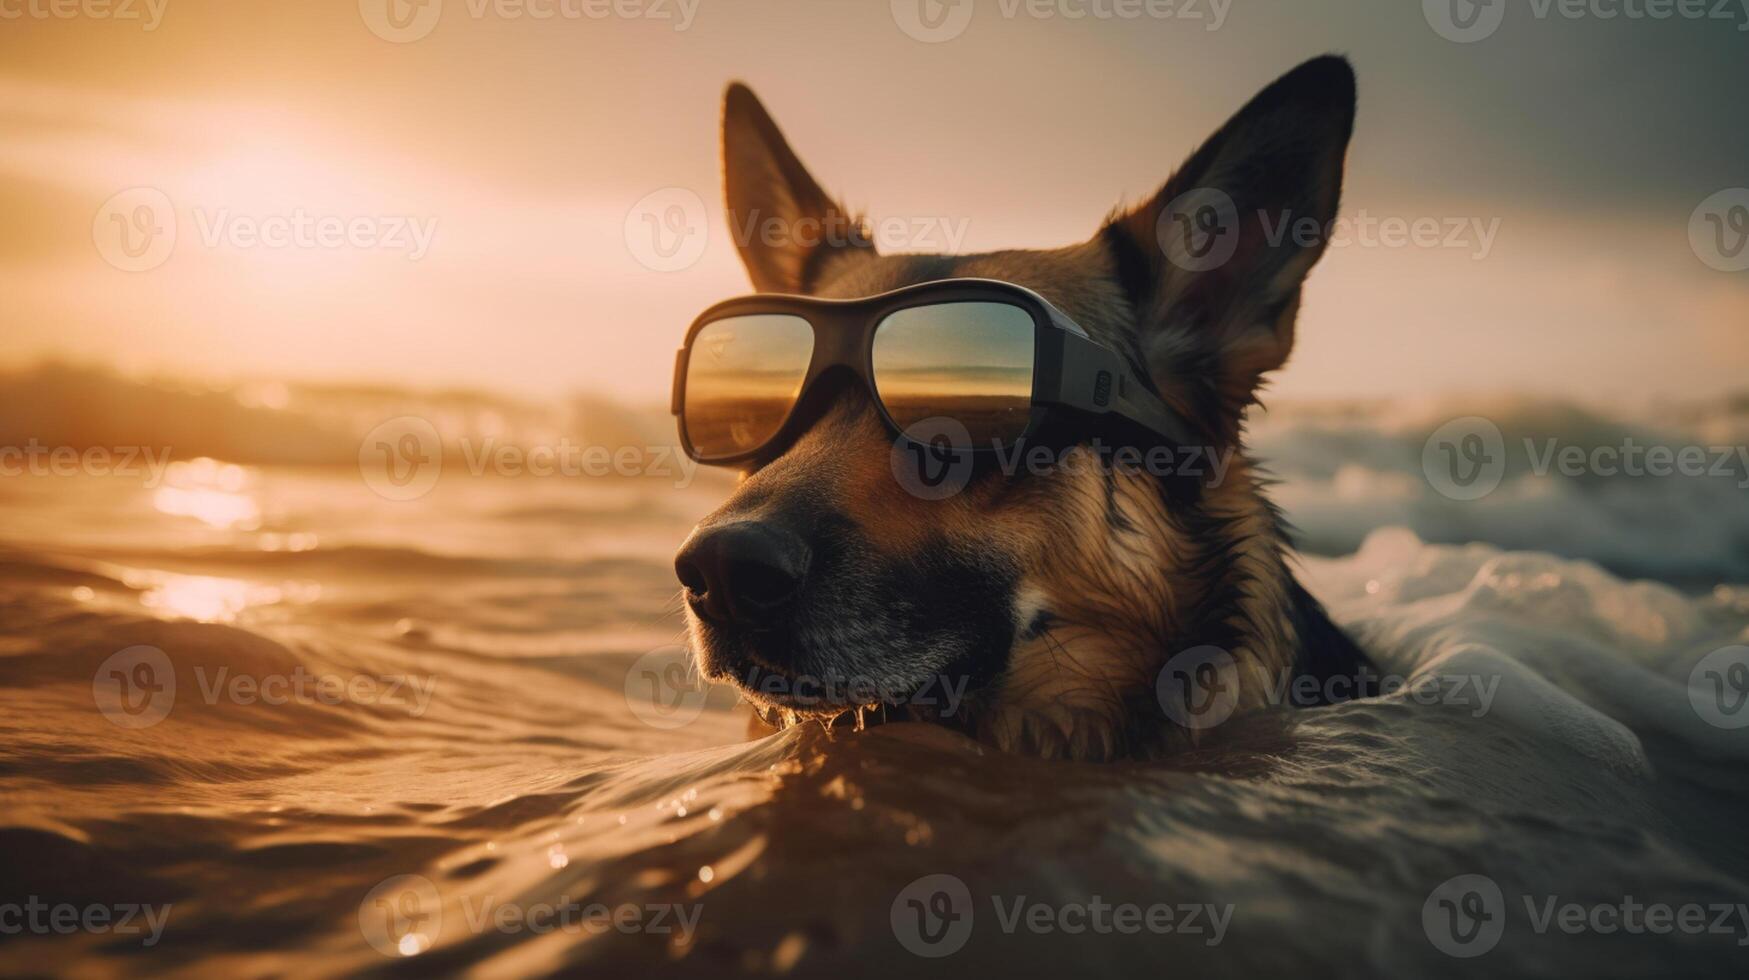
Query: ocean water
[(292, 727)]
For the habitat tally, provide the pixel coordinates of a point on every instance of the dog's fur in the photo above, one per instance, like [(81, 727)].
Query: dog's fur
[(1059, 597)]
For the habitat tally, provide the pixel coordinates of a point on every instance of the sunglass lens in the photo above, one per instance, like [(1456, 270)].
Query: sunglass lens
[(971, 362), (742, 378)]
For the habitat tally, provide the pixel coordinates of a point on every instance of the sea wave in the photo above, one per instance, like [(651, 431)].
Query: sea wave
[(1344, 468), (280, 837)]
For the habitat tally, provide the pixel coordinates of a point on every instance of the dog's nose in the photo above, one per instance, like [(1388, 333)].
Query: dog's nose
[(745, 573)]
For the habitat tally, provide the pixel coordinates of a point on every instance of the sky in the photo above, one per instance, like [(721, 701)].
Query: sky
[(524, 196)]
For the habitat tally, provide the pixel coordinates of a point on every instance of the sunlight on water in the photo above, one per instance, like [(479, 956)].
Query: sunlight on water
[(209, 599), (210, 492), (297, 755), (211, 507)]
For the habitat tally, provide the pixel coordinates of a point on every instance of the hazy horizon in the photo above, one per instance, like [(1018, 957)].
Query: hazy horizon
[(505, 198)]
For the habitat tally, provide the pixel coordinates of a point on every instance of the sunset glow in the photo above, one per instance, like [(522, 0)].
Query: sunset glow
[(487, 235)]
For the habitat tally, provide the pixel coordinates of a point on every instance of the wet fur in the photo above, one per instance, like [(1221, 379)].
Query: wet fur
[(1059, 596)]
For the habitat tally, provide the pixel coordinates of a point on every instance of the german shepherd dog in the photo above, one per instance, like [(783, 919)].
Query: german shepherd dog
[(1051, 602)]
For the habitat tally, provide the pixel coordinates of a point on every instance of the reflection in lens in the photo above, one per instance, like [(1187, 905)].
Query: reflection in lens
[(742, 376), (971, 362)]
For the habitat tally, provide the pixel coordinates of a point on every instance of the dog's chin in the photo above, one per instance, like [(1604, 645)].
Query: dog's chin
[(782, 694), (780, 700)]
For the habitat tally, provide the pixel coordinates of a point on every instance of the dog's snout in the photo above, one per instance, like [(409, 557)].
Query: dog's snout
[(745, 573)]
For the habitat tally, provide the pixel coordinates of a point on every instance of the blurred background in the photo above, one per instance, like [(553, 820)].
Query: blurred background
[(254, 231), (338, 339), (516, 148)]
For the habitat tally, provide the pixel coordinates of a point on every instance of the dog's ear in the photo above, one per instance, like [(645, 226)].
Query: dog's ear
[(786, 228), (1214, 262)]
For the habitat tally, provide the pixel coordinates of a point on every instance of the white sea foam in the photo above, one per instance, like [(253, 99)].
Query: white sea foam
[(1580, 656)]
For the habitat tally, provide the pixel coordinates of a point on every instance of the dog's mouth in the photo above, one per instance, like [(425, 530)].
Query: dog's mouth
[(857, 698), (785, 713), (778, 692)]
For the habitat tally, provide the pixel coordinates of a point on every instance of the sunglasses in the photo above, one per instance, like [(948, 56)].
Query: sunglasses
[(991, 356)]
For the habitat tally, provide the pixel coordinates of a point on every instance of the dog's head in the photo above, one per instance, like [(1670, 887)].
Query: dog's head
[(824, 583)]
